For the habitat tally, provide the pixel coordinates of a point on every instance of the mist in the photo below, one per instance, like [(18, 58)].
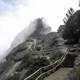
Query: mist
[(16, 15)]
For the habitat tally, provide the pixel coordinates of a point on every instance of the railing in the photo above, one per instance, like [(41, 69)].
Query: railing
[(47, 70), (47, 73)]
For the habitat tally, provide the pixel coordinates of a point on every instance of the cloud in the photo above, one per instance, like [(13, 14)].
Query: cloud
[(11, 5)]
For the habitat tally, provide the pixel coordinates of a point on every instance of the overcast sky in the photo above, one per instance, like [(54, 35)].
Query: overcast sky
[(15, 15)]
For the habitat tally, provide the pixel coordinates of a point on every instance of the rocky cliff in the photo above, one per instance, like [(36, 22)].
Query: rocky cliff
[(39, 49), (42, 48)]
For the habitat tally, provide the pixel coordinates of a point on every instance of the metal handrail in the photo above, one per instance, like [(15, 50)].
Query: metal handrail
[(45, 74), (41, 71)]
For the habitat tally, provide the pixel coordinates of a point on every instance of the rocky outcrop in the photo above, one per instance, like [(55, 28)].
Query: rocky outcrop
[(41, 48), (36, 30)]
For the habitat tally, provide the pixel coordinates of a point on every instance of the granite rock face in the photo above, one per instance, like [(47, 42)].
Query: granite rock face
[(41, 48), (36, 29)]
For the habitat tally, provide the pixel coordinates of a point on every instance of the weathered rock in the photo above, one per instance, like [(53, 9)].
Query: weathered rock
[(25, 58)]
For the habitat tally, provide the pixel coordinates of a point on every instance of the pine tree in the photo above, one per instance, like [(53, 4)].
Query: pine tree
[(72, 27)]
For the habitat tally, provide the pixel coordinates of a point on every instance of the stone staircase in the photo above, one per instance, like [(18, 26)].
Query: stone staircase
[(59, 74)]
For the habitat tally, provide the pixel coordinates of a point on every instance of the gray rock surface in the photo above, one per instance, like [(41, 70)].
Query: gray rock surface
[(41, 48)]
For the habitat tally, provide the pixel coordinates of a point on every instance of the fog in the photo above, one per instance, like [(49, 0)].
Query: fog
[(15, 15)]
